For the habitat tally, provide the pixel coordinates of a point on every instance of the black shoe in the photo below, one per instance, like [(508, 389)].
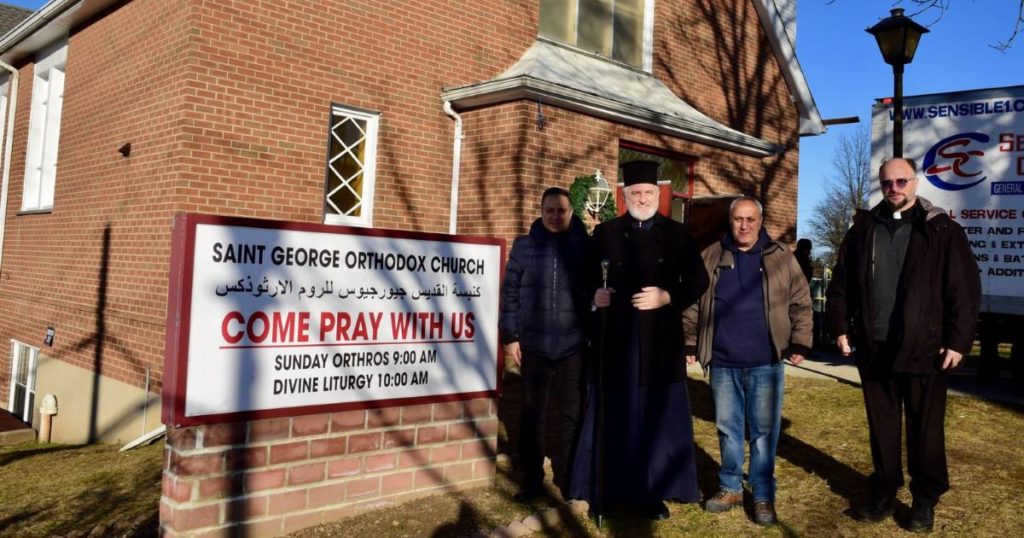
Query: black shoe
[(922, 517), (659, 511), (878, 509)]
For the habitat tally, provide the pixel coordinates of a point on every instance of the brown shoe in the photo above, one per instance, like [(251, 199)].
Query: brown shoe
[(764, 513), (724, 501)]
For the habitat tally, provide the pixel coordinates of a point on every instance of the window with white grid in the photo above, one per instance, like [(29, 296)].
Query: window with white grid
[(4, 88), (23, 380), (351, 162), (44, 128)]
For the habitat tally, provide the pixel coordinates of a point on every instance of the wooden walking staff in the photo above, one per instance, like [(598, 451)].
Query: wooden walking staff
[(599, 433)]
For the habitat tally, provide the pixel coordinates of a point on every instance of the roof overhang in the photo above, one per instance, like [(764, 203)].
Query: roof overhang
[(49, 23), (785, 53), (591, 85)]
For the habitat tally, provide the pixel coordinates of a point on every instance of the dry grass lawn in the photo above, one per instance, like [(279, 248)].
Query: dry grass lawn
[(822, 466), (52, 490), (71, 491)]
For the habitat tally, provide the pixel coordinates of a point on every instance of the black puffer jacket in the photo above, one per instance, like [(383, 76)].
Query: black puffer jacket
[(542, 297)]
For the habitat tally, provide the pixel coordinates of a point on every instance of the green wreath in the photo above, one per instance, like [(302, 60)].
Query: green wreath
[(578, 197)]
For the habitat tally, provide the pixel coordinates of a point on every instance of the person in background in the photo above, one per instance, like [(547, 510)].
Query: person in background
[(803, 258)]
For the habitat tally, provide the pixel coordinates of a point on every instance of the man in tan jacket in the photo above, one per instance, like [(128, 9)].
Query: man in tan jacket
[(755, 313)]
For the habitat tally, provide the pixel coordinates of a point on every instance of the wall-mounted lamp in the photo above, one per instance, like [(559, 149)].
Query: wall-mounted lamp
[(48, 339), (125, 150), (597, 195)]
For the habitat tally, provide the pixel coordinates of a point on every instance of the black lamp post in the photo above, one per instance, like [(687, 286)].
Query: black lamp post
[(897, 37)]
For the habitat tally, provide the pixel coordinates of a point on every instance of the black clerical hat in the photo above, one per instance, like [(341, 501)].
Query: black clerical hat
[(640, 172)]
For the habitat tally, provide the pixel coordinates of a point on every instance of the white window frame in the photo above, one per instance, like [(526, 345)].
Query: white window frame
[(366, 197), (647, 42), (4, 88), (648, 36), (44, 128), (30, 384)]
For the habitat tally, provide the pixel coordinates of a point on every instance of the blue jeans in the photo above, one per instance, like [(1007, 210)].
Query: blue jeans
[(751, 396)]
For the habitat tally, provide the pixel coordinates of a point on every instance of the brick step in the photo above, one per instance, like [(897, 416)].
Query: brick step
[(13, 437)]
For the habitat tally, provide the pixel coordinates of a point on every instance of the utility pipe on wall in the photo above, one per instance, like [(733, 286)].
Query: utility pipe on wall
[(8, 134), (46, 412), (456, 161)]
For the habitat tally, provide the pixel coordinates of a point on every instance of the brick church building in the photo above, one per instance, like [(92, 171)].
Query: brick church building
[(435, 116)]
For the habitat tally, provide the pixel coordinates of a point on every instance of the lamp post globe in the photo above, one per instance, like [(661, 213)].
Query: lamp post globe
[(897, 36)]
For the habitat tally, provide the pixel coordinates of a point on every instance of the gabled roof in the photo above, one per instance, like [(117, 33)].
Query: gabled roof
[(10, 16), (592, 85), (47, 24), (57, 17), (785, 52)]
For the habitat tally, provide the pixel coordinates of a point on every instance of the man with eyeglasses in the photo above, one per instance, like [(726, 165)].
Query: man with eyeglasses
[(904, 300)]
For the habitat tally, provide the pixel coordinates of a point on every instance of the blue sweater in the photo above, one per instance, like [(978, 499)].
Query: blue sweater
[(741, 337)]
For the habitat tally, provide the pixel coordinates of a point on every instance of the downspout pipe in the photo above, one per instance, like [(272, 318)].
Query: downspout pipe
[(8, 134), (456, 161)]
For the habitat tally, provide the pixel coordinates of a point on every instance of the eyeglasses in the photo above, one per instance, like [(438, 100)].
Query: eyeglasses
[(900, 182)]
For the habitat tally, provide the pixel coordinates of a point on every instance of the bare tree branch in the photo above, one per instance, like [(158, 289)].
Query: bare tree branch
[(1003, 46), (845, 192), (939, 9)]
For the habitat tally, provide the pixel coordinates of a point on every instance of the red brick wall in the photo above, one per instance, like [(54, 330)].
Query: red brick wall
[(123, 84), (226, 105), (277, 476), (715, 55)]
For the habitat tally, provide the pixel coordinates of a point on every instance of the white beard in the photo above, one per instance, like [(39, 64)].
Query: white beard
[(641, 214)]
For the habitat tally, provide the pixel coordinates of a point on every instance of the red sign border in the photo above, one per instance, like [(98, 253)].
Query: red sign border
[(179, 307)]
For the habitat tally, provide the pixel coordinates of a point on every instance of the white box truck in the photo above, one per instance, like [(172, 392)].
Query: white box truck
[(969, 147)]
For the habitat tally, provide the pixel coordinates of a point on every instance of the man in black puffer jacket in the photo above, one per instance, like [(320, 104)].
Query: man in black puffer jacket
[(542, 308)]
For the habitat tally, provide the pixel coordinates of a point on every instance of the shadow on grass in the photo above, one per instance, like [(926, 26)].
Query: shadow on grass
[(469, 519), (22, 516), (465, 525), (103, 508), (79, 490), (842, 479), (15, 455)]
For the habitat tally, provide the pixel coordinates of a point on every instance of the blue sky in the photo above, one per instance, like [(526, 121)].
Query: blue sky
[(27, 4), (846, 73)]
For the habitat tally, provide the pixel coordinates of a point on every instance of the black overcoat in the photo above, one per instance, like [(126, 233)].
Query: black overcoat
[(664, 256), (938, 295)]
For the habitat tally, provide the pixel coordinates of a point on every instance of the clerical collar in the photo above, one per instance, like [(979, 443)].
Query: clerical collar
[(906, 214)]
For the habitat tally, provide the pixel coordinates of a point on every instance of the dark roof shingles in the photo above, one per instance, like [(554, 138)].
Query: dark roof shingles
[(10, 16)]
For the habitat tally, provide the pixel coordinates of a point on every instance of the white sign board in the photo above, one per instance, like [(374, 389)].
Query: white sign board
[(969, 147), (283, 318)]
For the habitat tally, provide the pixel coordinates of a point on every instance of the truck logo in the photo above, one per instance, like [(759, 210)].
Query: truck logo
[(952, 155)]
